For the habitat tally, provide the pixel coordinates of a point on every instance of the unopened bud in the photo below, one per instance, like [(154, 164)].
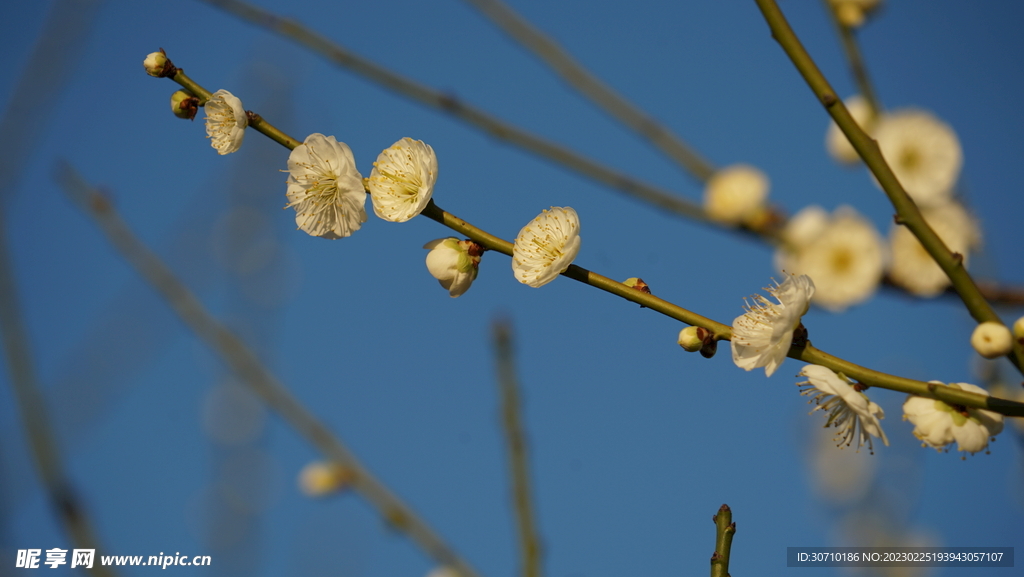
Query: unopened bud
[(638, 284), (1018, 329), (690, 339), (184, 104), (157, 64), (991, 339), (319, 479)]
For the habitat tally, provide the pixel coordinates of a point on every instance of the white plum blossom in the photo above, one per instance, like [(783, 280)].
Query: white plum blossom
[(923, 152), (454, 263), (844, 254), (912, 267), (991, 339), (850, 411), (402, 180), (836, 143), (762, 336), (325, 188), (546, 246), (225, 122), (938, 424), (734, 195)]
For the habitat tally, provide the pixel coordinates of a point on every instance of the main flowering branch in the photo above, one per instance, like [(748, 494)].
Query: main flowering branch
[(502, 130), (718, 331), (907, 212)]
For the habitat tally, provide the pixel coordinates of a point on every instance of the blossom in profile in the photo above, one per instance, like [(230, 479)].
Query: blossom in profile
[(319, 478), (854, 415), (402, 180), (325, 188), (762, 336), (454, 263), (938, 424), (546, 246), (225, 122), (843, 253), (991, 339), (923, 152), (736, 194), (912, 267), (838, 146)]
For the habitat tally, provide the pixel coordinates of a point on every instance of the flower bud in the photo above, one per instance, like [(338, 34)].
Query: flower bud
[(1018, 329), (691, 339), (319, 479), (184, 104), (454, 263), (157, 64), (991, 339)]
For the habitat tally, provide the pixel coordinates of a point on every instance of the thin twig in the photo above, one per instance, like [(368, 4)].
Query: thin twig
[(453, 106), (35, 419), (246, 364), (591, 87), (951, 263), (725, 529), (855, 59), (519, 470)]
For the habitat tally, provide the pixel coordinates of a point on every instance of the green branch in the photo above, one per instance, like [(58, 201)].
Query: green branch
[(907, 212), (725, 529), (721, 331)]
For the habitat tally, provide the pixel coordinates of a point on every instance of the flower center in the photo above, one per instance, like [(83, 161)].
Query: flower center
[(910, 158)]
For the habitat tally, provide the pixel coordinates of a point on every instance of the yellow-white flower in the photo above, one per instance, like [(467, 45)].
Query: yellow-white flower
[(734, 195), (225, 122), (762, 336), (852, 12), (454, 263), (402, 180), (325, 188), (844, 254), (923, 152), (836, 143), (546, 246), (155, 63), (938, 424), (912, 267), (991, 339), (850, 411)]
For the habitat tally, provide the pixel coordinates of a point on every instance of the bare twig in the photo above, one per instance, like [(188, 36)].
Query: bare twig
[(519, 470), (246, 364), (591, 87), (35, 418)]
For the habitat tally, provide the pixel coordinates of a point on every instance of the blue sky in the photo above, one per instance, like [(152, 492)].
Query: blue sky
[(634, 443)]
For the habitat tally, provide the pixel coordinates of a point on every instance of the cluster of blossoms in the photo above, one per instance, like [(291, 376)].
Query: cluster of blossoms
[(328, 194), (763, 336), (925, 155)]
